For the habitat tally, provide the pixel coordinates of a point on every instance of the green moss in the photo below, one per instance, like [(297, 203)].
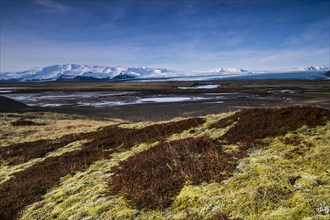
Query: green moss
[(281, 181), (6, 172), (262, 190), (84, 193), (143, 124), (204, 128)]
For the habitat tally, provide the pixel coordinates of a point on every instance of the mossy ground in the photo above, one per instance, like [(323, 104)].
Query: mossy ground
[(7, 171), (288, 178)]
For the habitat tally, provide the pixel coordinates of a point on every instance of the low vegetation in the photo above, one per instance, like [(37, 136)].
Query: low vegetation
[(23, 122), (17, 192), (28, 185), (252, 164), (153, 177), (45, 125), (23, 152), (253, 124)]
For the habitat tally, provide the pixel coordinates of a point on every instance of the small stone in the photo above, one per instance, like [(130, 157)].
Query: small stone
[(323, 209), (216, 209), (136, 214), (254, 153), (241, 165)]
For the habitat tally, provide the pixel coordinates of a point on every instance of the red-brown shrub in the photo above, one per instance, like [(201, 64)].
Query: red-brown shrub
[(253, 124), (27, 186), (153, 177)]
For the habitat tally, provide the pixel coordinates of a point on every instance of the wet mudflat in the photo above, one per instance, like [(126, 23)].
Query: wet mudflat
[(139, 101)]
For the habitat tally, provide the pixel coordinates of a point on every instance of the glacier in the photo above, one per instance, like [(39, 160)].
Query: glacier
[(73, 71), (69, 72)]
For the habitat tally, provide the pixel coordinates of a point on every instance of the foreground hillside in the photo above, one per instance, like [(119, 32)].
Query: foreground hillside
[(251, 164)]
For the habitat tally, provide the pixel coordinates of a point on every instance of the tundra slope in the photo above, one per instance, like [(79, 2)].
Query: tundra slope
[(213, 167)]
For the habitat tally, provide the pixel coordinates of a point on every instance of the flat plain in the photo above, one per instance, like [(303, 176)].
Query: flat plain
[(129, 100)]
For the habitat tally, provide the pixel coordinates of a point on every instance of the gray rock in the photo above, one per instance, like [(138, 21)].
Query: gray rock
[(254, 153), (241, 165)]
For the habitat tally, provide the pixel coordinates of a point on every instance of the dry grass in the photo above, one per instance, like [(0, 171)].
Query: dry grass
[(222, 217), (49, 126)]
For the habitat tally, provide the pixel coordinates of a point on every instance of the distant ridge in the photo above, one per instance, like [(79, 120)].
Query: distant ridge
[(75, 72), (229, 70)]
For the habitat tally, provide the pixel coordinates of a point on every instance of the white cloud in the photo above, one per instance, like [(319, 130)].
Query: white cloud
[(53, 6), (21, 54)]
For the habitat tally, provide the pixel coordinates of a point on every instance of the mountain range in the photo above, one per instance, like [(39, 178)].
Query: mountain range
[(68, 72)]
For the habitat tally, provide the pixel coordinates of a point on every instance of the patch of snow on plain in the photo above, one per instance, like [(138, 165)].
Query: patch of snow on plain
[(199, 87), (50, 105), (287, 91), (165, 99), (104, 103)]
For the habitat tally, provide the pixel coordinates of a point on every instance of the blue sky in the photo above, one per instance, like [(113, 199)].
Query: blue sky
[(177, 34)]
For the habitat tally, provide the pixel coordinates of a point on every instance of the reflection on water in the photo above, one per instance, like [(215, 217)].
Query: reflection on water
[(166, 99), (200, 87), (101, 99), (104, 99)]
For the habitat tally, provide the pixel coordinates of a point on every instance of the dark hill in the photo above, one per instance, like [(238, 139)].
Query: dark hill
[(10, 105)]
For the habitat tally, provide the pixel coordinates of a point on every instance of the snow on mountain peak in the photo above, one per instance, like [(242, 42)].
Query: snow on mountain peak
[(90, 72), (312, 68), (71, 71), (317, 68), (228, 70)]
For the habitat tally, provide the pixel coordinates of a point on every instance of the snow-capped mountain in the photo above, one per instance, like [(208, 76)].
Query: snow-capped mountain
[(317, 68), (95, 72), (310, 68), (228, 70), (74, 71)]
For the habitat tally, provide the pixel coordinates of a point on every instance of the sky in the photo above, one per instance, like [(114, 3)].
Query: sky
[(173, 34)]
